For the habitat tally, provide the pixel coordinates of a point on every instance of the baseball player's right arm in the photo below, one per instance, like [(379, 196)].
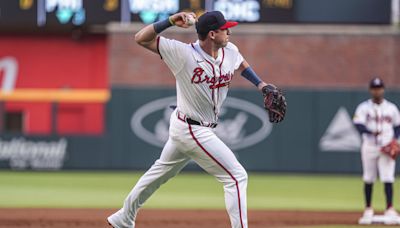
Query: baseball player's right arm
[(360, 121), (146, 37)]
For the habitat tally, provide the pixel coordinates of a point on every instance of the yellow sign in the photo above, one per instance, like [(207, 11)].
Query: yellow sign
[(25, 4), (110, 5)]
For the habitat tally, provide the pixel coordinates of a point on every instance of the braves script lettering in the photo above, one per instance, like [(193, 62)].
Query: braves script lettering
[(214, 82), (379, 119)]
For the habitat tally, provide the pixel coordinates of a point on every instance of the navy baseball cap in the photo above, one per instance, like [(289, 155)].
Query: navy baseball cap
[(376, 83), (213, 20)]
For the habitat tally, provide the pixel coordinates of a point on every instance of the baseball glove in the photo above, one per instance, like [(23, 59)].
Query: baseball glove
[(392, 149), (274, 103)]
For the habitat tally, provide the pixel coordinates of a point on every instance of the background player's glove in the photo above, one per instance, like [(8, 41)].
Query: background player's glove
[(392, 149), (274, 103)]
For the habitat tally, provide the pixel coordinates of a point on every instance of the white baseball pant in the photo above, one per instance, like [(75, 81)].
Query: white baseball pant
[(209, 152), (374, 162)]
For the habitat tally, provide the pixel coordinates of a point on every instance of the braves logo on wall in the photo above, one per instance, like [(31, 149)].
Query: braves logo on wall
[(242, 123)]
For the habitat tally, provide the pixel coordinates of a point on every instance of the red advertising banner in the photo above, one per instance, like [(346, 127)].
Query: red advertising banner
[(56, 62), (40, 73)]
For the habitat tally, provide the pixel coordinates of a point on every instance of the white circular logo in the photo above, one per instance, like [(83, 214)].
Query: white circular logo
[(241, 123)]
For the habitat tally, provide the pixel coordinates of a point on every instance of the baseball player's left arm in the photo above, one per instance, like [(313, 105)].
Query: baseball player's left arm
[(397, 132), (274, 100), (396, 123)]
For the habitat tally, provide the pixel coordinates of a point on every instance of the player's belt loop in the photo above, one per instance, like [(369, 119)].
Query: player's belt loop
[(181, 116)]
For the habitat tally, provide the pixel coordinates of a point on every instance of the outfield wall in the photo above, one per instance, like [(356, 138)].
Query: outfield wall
[(317, 135)]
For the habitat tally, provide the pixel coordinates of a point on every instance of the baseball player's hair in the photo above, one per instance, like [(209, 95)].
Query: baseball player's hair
[(202, 36)]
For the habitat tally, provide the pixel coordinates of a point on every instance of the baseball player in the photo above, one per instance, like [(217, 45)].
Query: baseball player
[(203, 71), (378, 121)]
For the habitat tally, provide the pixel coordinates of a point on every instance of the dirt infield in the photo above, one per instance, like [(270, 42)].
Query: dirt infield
[(151, 218)]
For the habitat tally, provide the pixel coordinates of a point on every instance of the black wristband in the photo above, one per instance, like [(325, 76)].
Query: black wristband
[(162, 25)]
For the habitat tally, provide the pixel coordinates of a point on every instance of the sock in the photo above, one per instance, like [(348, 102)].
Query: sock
[(368, 194), (389, 195)]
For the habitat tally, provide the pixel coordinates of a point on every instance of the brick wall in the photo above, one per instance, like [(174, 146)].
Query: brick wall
[(301, 59)]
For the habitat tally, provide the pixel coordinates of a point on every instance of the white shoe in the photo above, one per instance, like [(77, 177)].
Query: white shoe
[(117, 220), (391, 216), (367, 217)]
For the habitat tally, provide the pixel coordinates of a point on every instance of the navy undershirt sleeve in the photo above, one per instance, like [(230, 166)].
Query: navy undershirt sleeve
[(250, 75), (396, 132), (162, 25), (362, 129)]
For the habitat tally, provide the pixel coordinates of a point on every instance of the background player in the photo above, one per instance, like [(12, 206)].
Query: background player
[(378, 121), (203, 72)]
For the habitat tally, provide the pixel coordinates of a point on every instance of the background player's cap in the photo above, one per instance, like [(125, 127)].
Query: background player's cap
[(213, 20), (376, 83)]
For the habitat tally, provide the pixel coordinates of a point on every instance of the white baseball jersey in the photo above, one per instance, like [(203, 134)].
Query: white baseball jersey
[(377, 118), (202, 82)]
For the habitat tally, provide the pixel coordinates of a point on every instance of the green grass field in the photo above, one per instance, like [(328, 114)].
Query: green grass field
[(187, 190)]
